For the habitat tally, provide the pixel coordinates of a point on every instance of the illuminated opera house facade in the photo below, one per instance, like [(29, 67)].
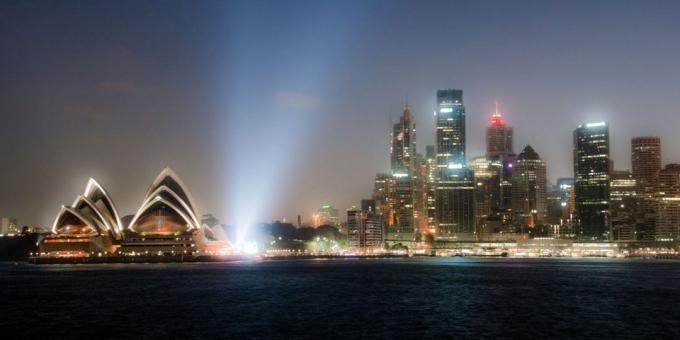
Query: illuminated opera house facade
[(166, 224)]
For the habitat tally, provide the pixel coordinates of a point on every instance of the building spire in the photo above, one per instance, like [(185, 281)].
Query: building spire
[(407, 110), (496, 113), (496, 117)]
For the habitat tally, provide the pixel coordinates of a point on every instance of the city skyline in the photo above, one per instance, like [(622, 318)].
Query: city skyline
[(299, 169), (124, 112)]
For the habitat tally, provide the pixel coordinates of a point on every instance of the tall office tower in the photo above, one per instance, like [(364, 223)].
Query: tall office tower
[(404, 224), (364, 230), (591, 173), (508, 162), (668, 204), (381, 186), (498, 137), (454, 193), (430, 185), (450, 131), (405, 179), (499, 147), (420, 191), (487, 176), (403, 150), (646, 161), (554, 202), (623, 202), (565, 186), (382, 189), (529, 192)]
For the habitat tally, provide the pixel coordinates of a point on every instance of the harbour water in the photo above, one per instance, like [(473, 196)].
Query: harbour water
[(333, 298)]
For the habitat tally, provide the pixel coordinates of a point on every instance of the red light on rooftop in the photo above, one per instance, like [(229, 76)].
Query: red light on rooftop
[(496, 118)]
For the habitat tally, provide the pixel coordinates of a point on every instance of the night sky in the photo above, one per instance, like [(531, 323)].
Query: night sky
[(269, 108)]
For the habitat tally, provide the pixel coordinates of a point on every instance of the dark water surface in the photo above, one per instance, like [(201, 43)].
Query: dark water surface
[(391, 298)]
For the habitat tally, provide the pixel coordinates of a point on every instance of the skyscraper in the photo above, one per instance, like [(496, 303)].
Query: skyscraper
[(591, 173), (565, 186), (404, 173), (667, 226), (646, 162), (430, 185), (499, 148), (529, 190), (403, 149), (623, 201), (454, 192), (382, 189), (450, 131), (487, 177), (498, 137)]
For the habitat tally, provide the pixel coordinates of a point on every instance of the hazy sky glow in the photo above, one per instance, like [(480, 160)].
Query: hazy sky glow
[(266, 109)]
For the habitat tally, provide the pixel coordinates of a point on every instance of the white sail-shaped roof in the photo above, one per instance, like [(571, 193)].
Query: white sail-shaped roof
[(150, 210), (70, 221), (169, 194), (98, 196), (169, 178), (89, 209)]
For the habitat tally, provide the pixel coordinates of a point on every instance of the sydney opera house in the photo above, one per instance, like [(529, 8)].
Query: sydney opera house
[(166, 224)]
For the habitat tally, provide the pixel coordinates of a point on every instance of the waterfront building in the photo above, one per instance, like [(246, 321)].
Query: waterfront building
[(455, 205), (668, 204), (364, 230), (554, 204), (505, 194), (430, 185), (498, 137), (326, 215), (450, 130), (454, 191), (90, 226), (529, 190), (404, 224), (381, 187), (499, 148), (405, 198), (591, 173), (165, 224), (487, 179), (623, 203), (8, 226), (403, 148), (646, 164), (565, 186), (382, 194)]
